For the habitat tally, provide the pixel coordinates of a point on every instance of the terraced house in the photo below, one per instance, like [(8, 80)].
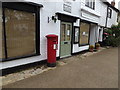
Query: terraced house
[(24, 26)]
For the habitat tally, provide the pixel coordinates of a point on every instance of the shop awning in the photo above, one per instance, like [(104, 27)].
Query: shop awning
[(66, 17)]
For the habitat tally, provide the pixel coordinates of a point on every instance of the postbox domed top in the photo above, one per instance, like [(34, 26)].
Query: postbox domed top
[(52, 36)]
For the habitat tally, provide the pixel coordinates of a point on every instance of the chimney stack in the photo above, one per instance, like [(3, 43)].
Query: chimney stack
[(113, 3)]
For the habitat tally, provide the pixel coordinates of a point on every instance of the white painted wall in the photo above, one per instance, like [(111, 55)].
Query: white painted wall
[(49, 9), (100, 34), (113, 20), (77, 49), (46, 28), (103, 13), (93, 35)]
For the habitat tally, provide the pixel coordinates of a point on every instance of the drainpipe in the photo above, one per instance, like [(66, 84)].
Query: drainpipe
[(106, 17), (106, 22)]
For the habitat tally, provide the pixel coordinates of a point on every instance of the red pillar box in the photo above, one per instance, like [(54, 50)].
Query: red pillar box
[(52, 43)]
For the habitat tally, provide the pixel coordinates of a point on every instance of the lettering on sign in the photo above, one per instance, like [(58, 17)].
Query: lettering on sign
[(67, 8)]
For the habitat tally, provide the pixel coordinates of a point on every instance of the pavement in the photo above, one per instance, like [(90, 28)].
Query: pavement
[(99, 70)]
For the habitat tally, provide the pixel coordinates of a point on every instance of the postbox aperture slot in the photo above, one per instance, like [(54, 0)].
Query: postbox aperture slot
[(54, 41), (65, 42)]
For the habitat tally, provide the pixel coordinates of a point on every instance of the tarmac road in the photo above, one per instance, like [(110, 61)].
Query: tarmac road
[(97, 71)]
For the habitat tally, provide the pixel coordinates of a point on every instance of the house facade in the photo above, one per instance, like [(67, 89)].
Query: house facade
[(112, 14), (25, 26), (119, 11)]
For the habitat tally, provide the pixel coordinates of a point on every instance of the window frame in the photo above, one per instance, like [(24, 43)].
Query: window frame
[(109, 14), (118, 17), (78, 34), (35, 9), (90, 4)]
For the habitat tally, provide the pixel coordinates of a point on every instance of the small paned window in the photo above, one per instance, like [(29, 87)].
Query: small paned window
[(90, 3), (109, 13), (63, 32)]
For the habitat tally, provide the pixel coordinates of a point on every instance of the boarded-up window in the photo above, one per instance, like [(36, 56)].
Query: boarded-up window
[(84, 33), (20, 33), (2, 51)]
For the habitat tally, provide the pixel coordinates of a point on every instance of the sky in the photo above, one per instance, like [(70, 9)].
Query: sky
[(116, 2)]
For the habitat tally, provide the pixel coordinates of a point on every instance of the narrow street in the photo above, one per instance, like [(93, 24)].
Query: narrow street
[(97, 71)]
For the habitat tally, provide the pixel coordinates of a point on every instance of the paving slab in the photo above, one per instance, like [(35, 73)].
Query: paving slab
[(99, 70)]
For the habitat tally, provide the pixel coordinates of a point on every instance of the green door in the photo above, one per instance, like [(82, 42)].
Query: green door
[(66, 32)]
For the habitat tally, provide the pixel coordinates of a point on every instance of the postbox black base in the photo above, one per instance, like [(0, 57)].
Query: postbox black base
[(51, 64)]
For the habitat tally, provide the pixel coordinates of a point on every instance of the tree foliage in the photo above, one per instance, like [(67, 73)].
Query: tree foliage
[(113, 36)]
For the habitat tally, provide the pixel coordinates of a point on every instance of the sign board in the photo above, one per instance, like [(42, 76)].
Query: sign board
[(67, 6)]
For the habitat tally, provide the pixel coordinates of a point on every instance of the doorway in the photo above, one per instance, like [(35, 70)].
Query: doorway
[(65, 44)]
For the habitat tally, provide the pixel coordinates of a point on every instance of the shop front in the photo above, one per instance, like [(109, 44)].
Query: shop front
[(20, 30), (66, 34), (84, 36)]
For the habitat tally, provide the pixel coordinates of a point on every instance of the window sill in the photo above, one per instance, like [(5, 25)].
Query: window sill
[(83, 45), (22, 57), (89, 7), (76, 43)]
